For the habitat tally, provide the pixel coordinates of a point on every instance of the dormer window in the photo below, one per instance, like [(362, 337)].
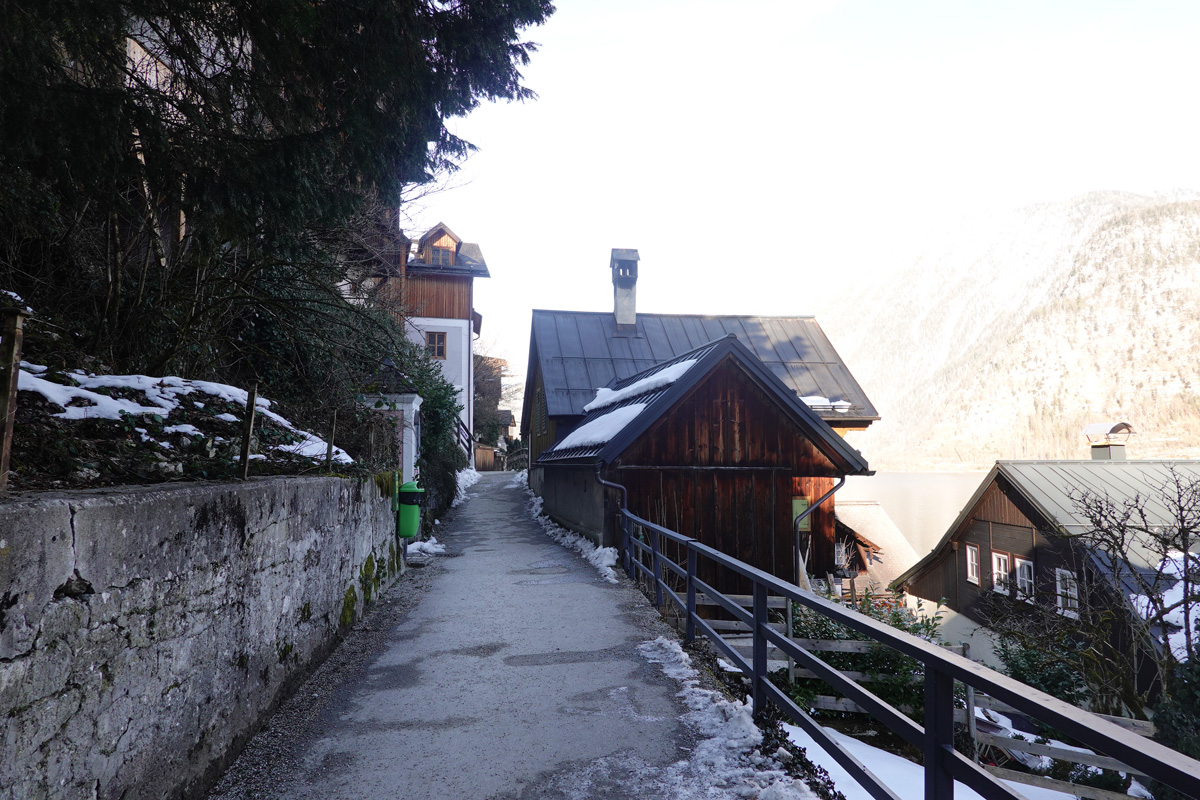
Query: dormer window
[(441, 256)]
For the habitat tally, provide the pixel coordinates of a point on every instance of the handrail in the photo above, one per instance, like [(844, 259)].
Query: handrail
[(943, 764)]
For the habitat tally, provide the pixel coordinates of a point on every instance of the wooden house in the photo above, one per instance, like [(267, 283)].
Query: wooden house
[(572, 353), (1014, 536), (713, 445), (790, 399), (433, 292)]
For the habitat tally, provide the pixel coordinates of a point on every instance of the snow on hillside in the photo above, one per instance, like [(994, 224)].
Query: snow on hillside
[(1007, 334)]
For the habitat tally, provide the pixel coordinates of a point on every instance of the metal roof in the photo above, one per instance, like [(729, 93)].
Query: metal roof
[(660, 399), (1051, 486), (579, 352)]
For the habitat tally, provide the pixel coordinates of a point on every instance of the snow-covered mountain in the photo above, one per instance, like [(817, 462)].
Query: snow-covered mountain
[(1007, 334)]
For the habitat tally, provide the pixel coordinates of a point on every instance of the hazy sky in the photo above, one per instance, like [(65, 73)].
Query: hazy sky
[(763, 155)]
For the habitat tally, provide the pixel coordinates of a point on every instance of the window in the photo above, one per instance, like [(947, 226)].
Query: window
[(1000, 572), (799, 506), (1024, 569), (435, 344), (973, 563), (1067, 590), (441, 256)]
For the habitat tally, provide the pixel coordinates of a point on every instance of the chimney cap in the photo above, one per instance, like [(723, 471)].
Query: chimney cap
[(1107, 432), (624, 254)]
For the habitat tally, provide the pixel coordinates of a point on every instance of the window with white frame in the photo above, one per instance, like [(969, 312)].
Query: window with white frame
[(1067, 590), (1000, 572), (1023, 568), (973, 563)]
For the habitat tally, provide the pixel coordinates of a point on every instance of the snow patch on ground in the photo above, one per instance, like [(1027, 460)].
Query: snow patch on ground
[(161, 397), (466, 479), (902, 776), (16, 298), (602, 558), (426, 548), (724, 763)]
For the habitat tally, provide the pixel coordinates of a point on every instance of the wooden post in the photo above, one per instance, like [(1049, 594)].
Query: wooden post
[(972, 729), (12, 321), (329, 444), (248, 431)]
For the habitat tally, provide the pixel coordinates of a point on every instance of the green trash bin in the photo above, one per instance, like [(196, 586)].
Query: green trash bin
[(410, 510)]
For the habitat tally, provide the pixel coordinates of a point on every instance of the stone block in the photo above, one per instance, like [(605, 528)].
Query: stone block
[(36, 558)]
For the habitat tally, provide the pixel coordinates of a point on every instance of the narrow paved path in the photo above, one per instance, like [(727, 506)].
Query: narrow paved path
[(515, 675)]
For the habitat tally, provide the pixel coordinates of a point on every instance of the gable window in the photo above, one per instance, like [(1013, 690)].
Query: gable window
[(441, 256), (973, 563), (435, 344), (1024, 573), (1067, 591), (1000, 572)]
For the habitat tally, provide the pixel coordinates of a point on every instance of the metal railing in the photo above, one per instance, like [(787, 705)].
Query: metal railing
[(943, 764)]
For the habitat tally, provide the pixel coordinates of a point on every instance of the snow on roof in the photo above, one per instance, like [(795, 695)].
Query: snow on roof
[(869, 519), (602, 429), (1172, 570), (664, 377), (822, 403), (162, 396)]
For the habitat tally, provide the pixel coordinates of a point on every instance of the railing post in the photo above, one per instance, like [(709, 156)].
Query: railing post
[(760, 646), (628, 530), (972, 728), (12, 321), (939, 733), (248, 431), (656, 563), (689, 630)]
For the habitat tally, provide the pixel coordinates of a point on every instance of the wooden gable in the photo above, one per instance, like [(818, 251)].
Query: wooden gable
[(723, 466), (728, 420)]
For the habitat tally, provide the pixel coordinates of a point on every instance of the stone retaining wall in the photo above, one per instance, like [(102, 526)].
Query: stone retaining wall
[(145, 632)]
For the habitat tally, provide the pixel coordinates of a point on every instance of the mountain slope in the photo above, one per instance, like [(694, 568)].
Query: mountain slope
[(1003, 338)]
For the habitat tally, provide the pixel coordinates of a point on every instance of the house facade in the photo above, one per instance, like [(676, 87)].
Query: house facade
[(1015, 537), (744, 440), (432, 290)]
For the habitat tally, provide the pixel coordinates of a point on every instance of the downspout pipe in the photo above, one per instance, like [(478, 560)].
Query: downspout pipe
[(801, 563), (624, 506)]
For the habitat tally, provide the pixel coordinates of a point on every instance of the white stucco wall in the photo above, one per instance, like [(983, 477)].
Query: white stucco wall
[(457, 366)]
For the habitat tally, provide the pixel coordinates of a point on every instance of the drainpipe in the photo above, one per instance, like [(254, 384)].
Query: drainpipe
[(801, 561), (624, 505)]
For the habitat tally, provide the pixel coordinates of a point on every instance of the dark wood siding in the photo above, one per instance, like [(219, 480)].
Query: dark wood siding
[(539, 440), (722, 466), (1000, 521), (728, 421)]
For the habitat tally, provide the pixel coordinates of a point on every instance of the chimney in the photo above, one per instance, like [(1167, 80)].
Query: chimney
[(1107, 440), (624, 265)]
